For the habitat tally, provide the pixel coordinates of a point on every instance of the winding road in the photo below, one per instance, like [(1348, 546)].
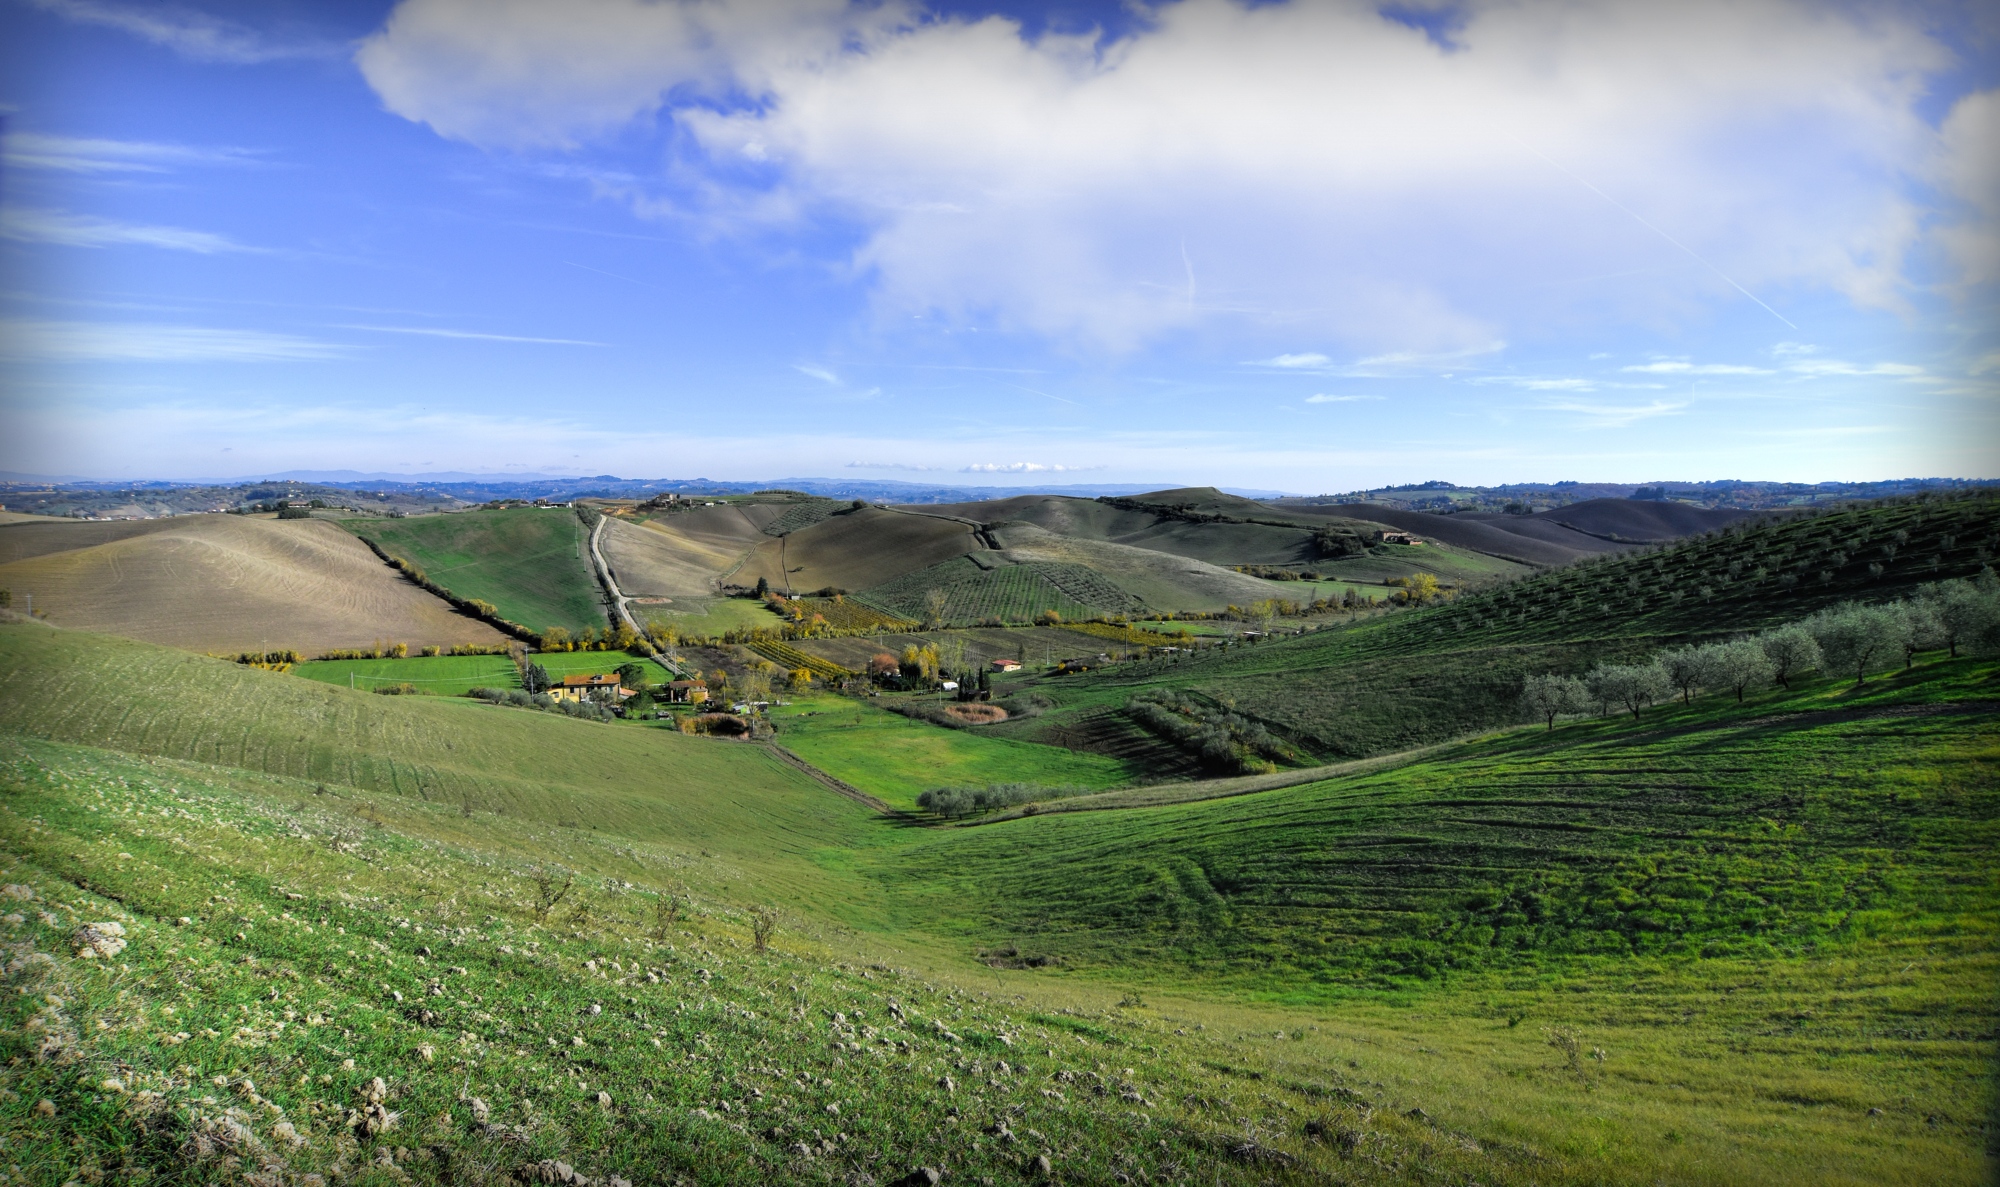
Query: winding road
[(617, 596)]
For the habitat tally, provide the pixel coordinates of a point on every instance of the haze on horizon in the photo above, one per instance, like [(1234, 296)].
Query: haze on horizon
[(1306, 246)]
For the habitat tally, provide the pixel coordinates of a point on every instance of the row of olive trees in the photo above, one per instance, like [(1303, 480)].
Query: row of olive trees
[(1851, 638)]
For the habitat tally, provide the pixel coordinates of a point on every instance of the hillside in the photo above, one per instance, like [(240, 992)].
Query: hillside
[(856, 550), (1723, 912), (1419, 677), (224, 583), (528, 562)]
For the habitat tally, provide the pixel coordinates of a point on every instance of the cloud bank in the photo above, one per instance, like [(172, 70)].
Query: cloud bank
[(1314, 173)]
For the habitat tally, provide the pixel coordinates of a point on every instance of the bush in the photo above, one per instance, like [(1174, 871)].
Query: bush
[(965, 801), (397, 690)]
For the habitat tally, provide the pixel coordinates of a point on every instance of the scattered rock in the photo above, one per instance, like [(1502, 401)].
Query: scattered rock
[(1041, 1167), (94, 940), (1874, 1112), (481, 1111), (604, 1100), (923, 1176)]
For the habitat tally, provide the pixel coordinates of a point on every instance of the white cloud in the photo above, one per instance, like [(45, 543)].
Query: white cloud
[(194, 35), (82, 230), (1968, 168), (820, 373), (1837, 367), (1681, 368), (1297, 360), (1326, 172), (1023, 468), (72, 341), (1616, 416), (74, 154), (435, 333), (891, 466), (1323, 398)]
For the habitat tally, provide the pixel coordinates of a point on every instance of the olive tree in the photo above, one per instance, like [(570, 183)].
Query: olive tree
[(1734, 666), (1686, 669), (1792, 651), (1547, 697), (1967, 616), (1853, 637), (1632, 686)]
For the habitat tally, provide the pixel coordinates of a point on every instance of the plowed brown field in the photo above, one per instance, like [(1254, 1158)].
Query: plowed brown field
[(224, 583)]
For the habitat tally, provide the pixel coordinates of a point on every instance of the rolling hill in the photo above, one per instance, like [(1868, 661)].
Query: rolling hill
[(1521, 960), (1420, 677), (224, 583)]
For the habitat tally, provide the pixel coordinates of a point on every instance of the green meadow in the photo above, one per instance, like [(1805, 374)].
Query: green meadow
[(427, 940), (440, 675), (896, 758), (530, 563)]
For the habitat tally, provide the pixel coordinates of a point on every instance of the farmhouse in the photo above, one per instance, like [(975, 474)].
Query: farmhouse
[(687, 692), (1006, 665), (601, 688), (1401, 538)]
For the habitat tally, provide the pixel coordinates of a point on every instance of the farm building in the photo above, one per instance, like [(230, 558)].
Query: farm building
[(1006, 665), (1401, 538), (600, 688), (687, 692)]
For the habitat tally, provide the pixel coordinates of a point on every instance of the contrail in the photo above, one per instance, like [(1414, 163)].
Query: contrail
[(1655, 230)]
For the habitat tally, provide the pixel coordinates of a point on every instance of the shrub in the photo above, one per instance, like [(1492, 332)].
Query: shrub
[(965, 801)]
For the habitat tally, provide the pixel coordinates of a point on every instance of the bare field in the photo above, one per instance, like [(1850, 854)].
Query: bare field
[(856, 550), (227, 583), (652, 563)]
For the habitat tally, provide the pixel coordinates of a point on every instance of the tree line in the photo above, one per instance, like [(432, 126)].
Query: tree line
[(1846, 639)]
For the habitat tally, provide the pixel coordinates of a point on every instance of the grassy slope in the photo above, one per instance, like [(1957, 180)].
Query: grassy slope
[(1771, 828), (442, 675), (1418, 677), (896, 758), (1721, 1070), (523, 561), (732, 800)]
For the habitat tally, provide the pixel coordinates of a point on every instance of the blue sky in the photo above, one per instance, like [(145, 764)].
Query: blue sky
[(1309, 247)]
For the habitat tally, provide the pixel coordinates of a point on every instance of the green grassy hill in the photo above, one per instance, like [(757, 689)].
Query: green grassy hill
[(1422, 676), (1772, 828), (528, 562), (1700, 948)]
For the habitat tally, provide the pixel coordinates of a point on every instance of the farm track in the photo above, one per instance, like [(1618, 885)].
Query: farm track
[(609, 581), (1193, 791), (837, 786)]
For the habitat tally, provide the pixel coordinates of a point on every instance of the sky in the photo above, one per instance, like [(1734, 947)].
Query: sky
[(1311, 247)]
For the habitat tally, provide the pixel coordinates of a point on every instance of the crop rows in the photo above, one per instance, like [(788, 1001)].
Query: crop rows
[(801, 516), (792, 658), (845, 614), (1011, 593)]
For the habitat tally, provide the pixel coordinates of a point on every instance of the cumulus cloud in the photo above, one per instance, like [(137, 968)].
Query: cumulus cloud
[(82, 230), (1326, 172)]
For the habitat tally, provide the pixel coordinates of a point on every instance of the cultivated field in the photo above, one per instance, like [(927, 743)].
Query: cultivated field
[(529, 562), (855, 550), (224, 583), (443, 675)]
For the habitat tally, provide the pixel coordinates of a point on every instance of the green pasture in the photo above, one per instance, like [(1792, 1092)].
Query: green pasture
[(710, 618), (897, 758), (593, 663), (442, 675), (1770, 932), (1307, 592), (531, 563)]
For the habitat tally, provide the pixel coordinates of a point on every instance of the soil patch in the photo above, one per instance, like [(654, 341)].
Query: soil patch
[(976, 714)]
